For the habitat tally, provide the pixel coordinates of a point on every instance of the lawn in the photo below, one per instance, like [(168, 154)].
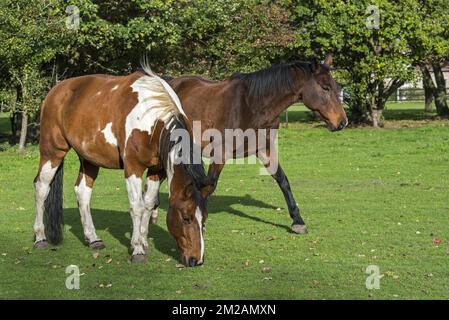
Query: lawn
[(369, 197)]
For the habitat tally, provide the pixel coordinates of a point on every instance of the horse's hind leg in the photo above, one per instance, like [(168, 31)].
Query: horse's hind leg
[(269, 159), (47, 170), (83, 190)]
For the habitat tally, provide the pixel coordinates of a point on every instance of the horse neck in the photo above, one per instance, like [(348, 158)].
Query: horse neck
[(271, 106), (176, 178)]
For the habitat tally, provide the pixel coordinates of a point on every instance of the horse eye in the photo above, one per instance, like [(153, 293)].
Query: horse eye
[(186, 220)]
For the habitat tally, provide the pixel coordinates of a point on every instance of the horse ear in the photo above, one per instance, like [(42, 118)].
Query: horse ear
[(189, 190), (207, 190), (316, 65), (329, 60)]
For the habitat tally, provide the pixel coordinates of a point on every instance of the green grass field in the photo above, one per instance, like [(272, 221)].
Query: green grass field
[(369, 197)]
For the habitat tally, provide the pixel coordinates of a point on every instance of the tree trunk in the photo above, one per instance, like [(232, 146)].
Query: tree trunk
[(440, 93), (429, 88), (21, 93), (23, 131)]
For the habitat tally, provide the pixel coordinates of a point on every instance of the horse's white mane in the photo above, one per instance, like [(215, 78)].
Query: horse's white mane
[(168, 98), (157, 101)]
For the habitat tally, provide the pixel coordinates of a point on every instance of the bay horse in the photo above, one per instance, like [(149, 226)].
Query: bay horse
[(120, 123), (255, 101)]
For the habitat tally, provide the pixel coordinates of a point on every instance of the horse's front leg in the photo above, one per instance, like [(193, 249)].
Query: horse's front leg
[(271, 162), (151, 203), (134, 188)]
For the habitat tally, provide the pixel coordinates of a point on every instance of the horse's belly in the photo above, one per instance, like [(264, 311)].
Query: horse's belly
[(100, 153)]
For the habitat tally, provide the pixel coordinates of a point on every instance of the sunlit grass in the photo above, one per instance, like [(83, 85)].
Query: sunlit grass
[(368, 196)]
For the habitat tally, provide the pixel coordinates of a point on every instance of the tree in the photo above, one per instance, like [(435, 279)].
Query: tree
[(33, 32), (429, 43), (368, 40), (208, 37)]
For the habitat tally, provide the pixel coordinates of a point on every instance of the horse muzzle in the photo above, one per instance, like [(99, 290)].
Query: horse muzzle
[(191, 262)]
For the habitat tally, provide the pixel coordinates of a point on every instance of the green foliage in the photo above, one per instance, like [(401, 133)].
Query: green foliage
[(373, 62), (216, 38), (208, 37), (32, 34)]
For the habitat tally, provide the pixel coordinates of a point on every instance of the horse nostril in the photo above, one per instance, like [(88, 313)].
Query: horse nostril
[(192, 262), (342, 125)]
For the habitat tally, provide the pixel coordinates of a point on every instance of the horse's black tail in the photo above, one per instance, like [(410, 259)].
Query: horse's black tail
[(53, 218)]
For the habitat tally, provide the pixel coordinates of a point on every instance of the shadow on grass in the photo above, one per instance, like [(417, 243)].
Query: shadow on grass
[(408, 114), (391, 114), (303, 116), (119, 224)]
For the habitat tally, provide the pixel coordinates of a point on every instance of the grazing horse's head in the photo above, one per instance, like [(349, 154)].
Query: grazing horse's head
[(187, 214), (320, 95)]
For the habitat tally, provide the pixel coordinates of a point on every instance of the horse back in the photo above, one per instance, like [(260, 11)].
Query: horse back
[(90, 113)]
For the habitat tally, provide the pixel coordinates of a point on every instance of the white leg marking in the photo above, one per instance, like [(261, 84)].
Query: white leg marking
[(42, 188), (134, 188), (199, 219), (109, 135), (150, 199), (83, 195)]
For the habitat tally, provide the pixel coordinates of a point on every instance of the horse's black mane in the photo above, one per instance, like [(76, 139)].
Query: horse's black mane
[(272, 80), (195, 170)]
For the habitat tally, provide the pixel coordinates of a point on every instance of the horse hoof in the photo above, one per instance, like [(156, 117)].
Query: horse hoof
[(153, 220), (97, 245), (299, 228), (43, 244), (139, 258)]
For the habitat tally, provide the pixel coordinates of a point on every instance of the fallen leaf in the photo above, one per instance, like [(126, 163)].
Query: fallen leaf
[(261, 261), (268, 278), (109, 260), (96, 254), (266, 270), (391, 274), (180, 266), (247, 263), (200, 286), (271, 238), (436, 241), (178, 291)]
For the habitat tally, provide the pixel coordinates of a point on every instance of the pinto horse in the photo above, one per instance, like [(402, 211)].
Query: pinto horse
[(120, 123), (255, 101)]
